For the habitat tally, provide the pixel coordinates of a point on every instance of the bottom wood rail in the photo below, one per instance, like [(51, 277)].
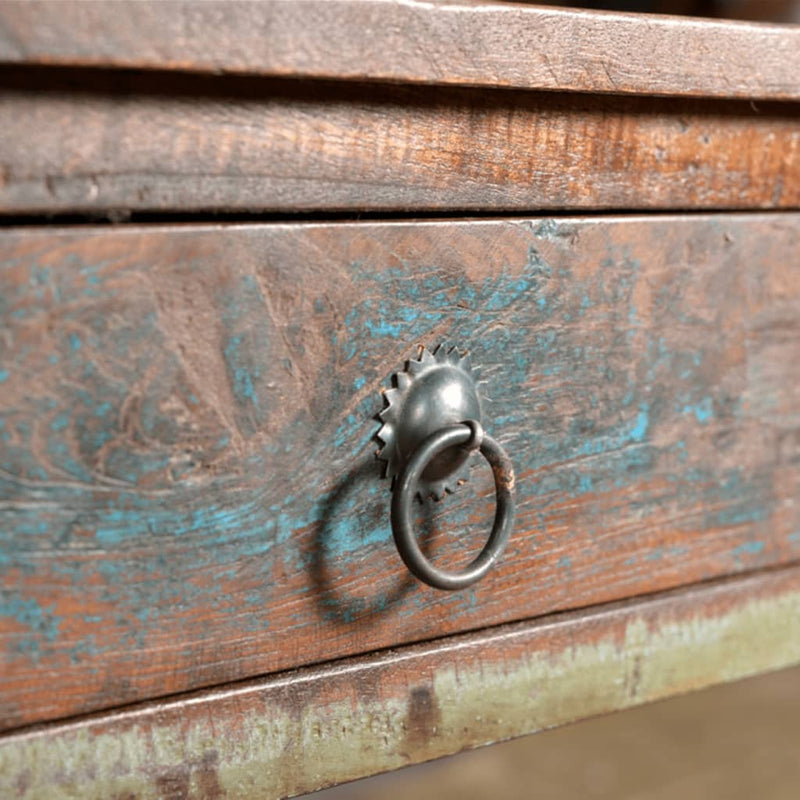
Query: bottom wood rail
[(296, 732)]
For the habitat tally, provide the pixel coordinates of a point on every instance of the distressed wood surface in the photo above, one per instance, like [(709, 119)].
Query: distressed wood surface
[(302, 731), (87, 142), (476, 44), (189, 487)]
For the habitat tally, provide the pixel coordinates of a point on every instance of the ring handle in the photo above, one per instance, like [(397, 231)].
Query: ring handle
[(467, 435)]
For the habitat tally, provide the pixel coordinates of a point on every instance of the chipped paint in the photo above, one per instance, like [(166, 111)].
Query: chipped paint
[(292, 734)]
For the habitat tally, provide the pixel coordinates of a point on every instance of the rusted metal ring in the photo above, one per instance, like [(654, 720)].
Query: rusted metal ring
[(460, 435)]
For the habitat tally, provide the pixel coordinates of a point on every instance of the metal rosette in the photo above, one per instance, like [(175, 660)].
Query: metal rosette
[(438, 388)]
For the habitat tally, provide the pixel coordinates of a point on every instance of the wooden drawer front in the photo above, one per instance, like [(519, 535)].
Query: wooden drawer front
[(190, 493)]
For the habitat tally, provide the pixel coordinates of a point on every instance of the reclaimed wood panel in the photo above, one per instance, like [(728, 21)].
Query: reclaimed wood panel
[(466, 43), (189, 490), (315, 727), (82, 142)]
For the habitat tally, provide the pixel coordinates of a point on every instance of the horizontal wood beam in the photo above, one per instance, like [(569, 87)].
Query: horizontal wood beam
[(92, 142), (463, 43), (301, 731)]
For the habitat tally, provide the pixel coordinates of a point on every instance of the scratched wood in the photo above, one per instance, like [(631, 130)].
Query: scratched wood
[(92, 142), (298, 732), (466, 43), (190, 493)]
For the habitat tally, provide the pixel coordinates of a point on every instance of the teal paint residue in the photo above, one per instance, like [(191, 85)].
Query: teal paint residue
[(505, 294), (359, 383), (639, 430), (60, 422), (632, 432), (60, 454), (748, 548), (102, 409), (395, 320), (243, 383), (703, 411), (565, 562), (4, 374), (743, 516), (27, 612), (75, 342), (382, 327)]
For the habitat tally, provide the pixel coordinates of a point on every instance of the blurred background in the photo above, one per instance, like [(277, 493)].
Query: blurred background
[(759, 10), (737, 742)]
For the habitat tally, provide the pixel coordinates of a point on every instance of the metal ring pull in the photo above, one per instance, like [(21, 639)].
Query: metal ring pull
[(468, 435)]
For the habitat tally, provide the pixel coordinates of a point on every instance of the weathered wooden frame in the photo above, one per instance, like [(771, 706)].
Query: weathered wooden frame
[(300, 731)]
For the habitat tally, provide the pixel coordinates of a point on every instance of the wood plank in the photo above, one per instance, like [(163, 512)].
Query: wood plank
[(91, 143), (294, 733), (475, 44), (189, 493)]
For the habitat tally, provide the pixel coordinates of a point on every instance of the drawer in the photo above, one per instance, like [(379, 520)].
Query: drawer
[(190, 489)]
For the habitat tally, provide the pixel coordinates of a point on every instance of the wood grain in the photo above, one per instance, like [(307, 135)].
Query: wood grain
[(189, 492), (83, 142), (298, 732), (475, 44)]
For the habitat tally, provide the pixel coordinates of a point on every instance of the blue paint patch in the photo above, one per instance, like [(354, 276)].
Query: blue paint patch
[(703, 411), (631, 432), (75, 342), (60, 422), (742, 516), (243, 385), (4, 374), (359, 383), (565, 562), (639, 430), (102, 409), (27, 612), (748, 548)]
